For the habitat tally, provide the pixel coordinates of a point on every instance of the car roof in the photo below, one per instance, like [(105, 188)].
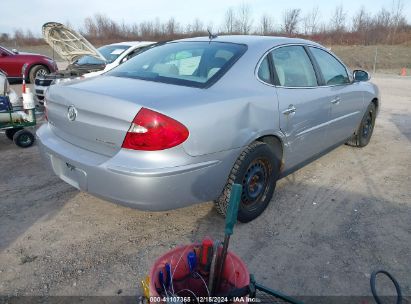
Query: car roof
[(255, 40)]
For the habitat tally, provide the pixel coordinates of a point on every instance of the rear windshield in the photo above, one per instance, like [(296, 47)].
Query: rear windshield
[(197, 64), (110, 52)]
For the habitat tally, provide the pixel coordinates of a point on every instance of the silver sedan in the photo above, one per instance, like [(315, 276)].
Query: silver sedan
[(183, 121)]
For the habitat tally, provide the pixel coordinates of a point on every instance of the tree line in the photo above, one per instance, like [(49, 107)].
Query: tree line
[(387, 26)]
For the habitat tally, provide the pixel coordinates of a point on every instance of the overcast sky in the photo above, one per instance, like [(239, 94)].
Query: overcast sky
[(33, 14)]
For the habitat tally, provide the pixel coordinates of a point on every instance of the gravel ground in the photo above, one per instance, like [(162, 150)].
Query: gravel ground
[(327, 228)]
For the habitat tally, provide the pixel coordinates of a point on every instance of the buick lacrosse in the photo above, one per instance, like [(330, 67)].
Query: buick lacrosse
[(180, 123)]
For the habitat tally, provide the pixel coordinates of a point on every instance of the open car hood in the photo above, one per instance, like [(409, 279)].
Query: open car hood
[(69, 44)]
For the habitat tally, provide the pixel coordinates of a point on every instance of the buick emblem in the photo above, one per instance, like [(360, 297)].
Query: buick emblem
[(72, 113)]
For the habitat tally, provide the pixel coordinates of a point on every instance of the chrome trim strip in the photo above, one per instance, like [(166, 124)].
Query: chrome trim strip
[(327, 123)]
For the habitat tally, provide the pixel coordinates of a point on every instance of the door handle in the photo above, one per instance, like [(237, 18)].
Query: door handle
[(291, 109), (336, 100)]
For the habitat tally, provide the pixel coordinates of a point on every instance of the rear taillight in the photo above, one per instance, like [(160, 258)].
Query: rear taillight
[(152, 131)]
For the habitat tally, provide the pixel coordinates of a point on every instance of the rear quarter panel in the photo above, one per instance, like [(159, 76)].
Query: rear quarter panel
[(230, 119)]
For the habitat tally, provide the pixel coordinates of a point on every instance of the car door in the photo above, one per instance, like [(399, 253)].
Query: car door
[(345, 97), (4, 64), (303, 108), (9, 63)]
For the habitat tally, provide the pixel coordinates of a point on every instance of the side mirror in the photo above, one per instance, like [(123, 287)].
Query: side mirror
[(15, 51), (360, 75)]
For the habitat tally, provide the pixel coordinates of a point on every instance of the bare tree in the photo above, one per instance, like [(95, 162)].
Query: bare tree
[(382, 19), (157, 30), (379, 28), (323, 27), (310, 21), (266, 25), (102, 28), (146, 29), (18, 37), (361, 24), (171, 27), (134, 30), (291, 18), (397, 17), (4, 37), (103, 24), (90, 28), (338, 19), (397, 10), (229, 21), (197, 26), (244, 22), (361, 20)]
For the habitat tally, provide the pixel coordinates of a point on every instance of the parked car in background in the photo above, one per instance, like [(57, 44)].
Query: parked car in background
[(181, 122), (83, 58), (116, 54), (12, 63)]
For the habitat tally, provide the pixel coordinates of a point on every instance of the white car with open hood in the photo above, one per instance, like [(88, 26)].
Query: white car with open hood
[(83, 58)]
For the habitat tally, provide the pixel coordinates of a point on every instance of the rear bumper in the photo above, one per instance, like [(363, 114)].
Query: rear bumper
[(127, 181)]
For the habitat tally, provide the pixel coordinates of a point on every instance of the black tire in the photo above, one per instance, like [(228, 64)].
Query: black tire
[(36, 71), (23, 138), (257, 170), (362, 136), (10, 132)]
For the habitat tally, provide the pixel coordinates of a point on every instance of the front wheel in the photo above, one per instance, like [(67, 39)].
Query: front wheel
[(36, 71), (256, 170), (362, 136)]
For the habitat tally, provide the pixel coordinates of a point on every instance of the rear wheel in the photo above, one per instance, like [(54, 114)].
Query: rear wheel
[(37, 70), (23, 138), (10, 132), (256, 170), (362, 136)]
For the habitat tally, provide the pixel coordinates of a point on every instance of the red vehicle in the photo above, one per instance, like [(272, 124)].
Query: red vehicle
[(12, 62)]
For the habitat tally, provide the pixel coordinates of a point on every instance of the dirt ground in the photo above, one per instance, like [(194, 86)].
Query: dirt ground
[(327, 228)]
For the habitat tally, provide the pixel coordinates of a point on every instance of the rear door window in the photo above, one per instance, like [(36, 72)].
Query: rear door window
[(334, 73), (264, 70), (293, 67)]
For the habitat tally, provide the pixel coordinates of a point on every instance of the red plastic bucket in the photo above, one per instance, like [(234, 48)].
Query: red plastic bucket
[(235, 274)]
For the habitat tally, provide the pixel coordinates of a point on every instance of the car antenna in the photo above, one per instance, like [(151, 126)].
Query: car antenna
[(210, 35)]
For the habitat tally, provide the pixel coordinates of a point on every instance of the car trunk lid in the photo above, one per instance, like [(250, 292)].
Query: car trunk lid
[(89, 120)]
